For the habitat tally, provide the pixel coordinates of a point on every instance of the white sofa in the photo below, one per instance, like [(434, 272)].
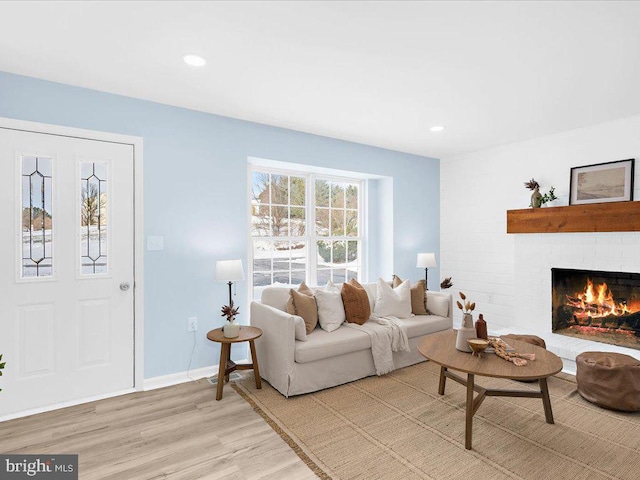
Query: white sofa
[(328, 359)]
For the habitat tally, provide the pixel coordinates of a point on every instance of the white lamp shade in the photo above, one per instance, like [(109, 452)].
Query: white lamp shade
[(229, 270), (426, 260)]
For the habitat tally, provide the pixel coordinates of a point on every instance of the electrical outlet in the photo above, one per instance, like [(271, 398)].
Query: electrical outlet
[(192, 324)]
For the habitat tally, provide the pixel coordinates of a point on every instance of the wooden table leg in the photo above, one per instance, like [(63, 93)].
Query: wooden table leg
[(469, 412), (443, 380), (254, 361), (546, 401), (224, 352), (227, 361)]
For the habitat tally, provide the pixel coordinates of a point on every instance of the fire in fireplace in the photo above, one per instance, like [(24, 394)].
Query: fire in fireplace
[(596, 305)]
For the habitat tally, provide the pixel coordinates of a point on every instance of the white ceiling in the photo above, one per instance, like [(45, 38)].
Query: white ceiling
[(379, 73)]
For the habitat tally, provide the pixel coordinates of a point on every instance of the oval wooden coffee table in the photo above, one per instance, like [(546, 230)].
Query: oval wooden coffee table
[(440, 348), (246, 334)]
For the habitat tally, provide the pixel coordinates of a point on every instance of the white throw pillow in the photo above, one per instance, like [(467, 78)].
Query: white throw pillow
[(438, 304), (301, 328), (330, 307), (393, 302), (370, 288)]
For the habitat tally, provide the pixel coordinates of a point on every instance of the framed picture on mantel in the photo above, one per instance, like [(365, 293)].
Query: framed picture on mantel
[(602, 182)]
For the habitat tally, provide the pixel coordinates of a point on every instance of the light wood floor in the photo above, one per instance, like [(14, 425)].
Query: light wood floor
[(177, 432)]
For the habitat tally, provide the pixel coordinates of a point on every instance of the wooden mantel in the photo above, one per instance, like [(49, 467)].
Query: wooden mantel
[(595, 217)]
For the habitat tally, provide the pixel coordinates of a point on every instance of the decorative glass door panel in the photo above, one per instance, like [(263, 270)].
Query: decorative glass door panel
[(94, 216), (37, 217)]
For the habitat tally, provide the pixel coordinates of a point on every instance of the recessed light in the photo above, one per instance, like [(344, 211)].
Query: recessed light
[(194, 60), (437, 128)]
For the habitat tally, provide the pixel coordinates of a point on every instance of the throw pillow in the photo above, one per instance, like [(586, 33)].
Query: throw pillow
[(438, 304), (330, 307), (303, 304), (393, 302), (370, 288), (418, 296), (356, 302)]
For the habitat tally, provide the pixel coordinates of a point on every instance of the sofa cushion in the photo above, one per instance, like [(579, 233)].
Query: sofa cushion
[(371, 290), (330, 307), (321, 344), (438, 304), (418, 295), (394, 302), (303, 303), (303, 288), (419, 325), (356, 302), (306, 307)]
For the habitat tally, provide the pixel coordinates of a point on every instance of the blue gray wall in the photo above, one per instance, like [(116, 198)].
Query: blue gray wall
[(195, 196)]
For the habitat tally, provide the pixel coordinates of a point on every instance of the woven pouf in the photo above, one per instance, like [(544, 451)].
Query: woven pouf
[(532, 339), (610, 380)]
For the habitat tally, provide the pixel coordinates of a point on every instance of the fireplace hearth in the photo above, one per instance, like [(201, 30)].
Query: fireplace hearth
[(596, 305)]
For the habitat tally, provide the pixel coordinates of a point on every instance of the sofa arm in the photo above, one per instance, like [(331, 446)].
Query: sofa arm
[(276, 347)]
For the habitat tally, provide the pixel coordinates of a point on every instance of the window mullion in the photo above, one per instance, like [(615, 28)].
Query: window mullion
[(312, 272), (362, 192)]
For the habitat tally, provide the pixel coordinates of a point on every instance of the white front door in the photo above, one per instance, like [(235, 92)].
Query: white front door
[(66, 269)]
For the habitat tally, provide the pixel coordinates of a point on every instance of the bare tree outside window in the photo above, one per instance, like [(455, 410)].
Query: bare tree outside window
[(93, 206)]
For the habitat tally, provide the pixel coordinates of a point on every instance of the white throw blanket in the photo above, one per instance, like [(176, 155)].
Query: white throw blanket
[(387, 335)]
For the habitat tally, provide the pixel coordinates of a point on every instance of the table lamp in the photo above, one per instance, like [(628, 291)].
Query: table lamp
[(229, 271), (426, 260)]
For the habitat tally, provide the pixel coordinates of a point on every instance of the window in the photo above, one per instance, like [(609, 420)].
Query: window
[(304, 227), (93, 218), (336, 209), (36, 217)]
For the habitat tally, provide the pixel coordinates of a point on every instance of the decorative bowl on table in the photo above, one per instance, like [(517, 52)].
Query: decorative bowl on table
[(477, 345)]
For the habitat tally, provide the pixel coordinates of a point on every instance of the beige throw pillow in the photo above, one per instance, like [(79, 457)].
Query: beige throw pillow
[(303, 304), (356, 302), (418, 296)]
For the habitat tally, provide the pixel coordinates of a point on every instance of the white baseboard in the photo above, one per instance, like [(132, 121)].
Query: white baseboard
[(149, 384), (56, 406), (182, 377)]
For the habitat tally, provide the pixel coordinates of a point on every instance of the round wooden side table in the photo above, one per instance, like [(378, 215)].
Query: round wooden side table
[(247, 334)]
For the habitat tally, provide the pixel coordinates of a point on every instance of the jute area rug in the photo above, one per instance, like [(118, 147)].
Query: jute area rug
[(398, 427)]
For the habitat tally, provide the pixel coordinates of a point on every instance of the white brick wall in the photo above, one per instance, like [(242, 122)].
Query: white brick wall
[(509, 276)]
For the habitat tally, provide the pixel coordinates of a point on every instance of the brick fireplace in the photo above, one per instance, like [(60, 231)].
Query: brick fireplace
[(596, 305)]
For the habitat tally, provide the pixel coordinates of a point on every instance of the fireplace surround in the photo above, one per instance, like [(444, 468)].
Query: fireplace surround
[(597, 305)]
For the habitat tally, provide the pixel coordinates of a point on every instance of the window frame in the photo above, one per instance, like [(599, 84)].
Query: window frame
[(311, 238)]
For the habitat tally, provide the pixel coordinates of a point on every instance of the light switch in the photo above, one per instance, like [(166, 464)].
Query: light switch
[(155, 243)]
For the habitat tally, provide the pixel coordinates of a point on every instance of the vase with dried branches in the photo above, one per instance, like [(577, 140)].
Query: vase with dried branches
[(537, 198), (230, 329), (466, 330)]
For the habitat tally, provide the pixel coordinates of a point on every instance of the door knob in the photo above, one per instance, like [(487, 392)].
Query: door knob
[(124, 286)]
